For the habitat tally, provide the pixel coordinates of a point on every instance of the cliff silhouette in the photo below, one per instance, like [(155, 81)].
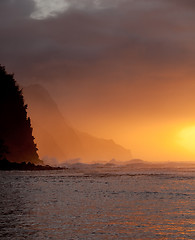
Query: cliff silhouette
[(16, 139), (57, 139)]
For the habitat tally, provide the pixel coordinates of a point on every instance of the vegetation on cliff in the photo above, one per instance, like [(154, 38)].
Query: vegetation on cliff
[(16, 139)]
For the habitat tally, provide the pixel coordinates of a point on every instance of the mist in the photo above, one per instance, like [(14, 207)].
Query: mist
[(120, 70)]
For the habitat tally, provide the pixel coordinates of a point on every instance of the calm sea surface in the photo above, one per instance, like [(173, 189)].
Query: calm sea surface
[(152, 204)]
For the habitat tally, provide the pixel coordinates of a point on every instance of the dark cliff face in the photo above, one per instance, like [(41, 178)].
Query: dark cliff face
[(15, 127)]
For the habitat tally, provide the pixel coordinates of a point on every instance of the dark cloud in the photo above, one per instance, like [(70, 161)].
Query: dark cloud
[(185, 3), (12, 10), (156, 33)]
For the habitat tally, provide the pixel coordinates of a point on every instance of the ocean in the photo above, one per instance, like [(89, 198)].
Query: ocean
[(137, 204)]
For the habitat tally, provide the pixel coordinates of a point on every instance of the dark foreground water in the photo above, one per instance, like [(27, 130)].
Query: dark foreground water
[(56, 205)]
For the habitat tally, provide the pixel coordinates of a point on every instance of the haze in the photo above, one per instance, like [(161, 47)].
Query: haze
[(121, 70)]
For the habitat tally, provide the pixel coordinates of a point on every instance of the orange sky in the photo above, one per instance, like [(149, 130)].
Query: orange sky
[(145, 116), (117, 69)]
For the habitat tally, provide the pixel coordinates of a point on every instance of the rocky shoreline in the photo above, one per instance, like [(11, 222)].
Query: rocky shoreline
[(5, 165)]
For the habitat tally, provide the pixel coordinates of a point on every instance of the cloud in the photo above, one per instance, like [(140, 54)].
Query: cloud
[(185, 3), (13, 10), (94, 35), (49, 8), (53, 8)]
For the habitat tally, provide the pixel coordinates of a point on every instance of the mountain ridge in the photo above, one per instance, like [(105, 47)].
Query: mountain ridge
[(59, 141)]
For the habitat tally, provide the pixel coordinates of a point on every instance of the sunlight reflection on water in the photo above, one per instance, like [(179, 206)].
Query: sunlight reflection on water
[(54, 205)]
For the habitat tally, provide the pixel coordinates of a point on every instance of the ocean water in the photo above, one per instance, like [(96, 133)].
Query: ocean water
[(152, 204)]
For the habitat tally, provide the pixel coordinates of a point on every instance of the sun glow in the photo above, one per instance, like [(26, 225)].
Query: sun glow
[(187, 138)]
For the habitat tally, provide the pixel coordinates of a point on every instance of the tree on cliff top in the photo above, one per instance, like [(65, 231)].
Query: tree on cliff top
[(15, 127)]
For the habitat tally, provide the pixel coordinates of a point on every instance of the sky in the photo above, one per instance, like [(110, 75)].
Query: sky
[(120, 69)]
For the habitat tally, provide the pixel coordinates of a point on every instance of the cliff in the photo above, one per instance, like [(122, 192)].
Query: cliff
[(57, 139)]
